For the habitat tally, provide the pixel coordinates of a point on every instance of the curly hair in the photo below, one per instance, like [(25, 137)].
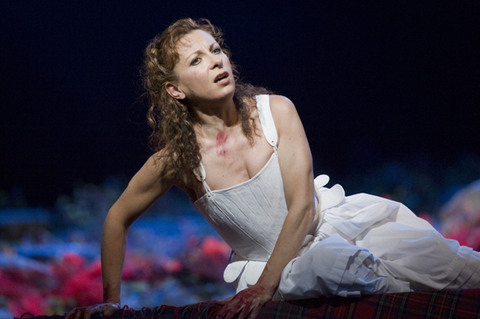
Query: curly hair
[(172, 121)]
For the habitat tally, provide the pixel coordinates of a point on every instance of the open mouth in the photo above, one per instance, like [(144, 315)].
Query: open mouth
[(221, 76)]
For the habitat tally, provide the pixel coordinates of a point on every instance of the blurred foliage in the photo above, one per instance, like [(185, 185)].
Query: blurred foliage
[(421, 182), (173, 255)]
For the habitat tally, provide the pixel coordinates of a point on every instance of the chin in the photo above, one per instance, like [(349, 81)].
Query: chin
[(232, 87), (227, 93), (231, 94)]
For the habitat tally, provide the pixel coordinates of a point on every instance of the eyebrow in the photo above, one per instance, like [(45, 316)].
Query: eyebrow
[(199, 51)]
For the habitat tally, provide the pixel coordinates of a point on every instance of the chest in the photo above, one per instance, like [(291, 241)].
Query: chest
[(232, 158)]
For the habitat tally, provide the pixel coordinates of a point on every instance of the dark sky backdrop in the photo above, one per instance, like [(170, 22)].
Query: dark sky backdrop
[(395, 78)]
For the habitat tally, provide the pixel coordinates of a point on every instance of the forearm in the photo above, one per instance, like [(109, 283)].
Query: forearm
[(148, 184), (113, 253), (294, 231), (297, 174)]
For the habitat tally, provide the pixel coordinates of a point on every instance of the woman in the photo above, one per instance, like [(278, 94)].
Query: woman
[(243, 159)]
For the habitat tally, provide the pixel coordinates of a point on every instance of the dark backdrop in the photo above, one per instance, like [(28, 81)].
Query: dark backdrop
[(371, 82)]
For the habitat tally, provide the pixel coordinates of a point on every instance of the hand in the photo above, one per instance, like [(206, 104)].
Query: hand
[(247, 303), (108, 310)]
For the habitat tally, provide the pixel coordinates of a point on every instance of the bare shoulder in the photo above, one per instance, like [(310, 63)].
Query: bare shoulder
[(284, 112), (281, 104), (145, 187), (155, 171), (156, 164)]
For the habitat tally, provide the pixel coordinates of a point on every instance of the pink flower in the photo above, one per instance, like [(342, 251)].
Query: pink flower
[(76, 283), (209, 260), (30, 301), (174, 266), (141, 267), (458, 233), (9, 287), (70, 263), (84, 289)]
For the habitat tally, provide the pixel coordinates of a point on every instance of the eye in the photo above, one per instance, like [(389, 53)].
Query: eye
[(217, 50), (195, 61)]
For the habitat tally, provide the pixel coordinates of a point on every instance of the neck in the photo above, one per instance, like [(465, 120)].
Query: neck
[(217, 116)]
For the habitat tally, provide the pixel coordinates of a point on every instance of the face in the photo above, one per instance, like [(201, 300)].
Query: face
[(204, 71)]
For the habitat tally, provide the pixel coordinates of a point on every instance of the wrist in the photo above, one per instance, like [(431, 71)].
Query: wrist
[(109, 297), (268, 286)]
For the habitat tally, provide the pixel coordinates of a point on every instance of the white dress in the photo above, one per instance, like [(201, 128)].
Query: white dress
[(359, 244)]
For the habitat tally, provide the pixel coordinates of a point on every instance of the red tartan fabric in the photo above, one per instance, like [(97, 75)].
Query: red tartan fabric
[(456, 304), (439, 304)]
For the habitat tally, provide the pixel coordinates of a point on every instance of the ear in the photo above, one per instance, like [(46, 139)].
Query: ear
[(174, 91)]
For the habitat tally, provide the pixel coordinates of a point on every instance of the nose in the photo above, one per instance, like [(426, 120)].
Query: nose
[(217, 62)]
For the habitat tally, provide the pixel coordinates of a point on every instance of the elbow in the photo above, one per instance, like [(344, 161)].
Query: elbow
[(309, 214), (114, 220), (306, 216)]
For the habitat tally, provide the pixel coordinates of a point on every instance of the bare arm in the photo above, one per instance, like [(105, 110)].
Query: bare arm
[(296, 167), (144, 189), (297, 174), (148, 184)]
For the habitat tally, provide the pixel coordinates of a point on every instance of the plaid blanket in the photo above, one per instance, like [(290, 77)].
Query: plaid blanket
[(438, 304)]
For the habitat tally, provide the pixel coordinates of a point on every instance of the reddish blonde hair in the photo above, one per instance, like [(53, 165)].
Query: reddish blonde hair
[(172, 120)]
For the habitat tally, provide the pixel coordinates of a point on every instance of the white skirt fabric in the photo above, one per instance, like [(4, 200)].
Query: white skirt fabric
[(366, 244)]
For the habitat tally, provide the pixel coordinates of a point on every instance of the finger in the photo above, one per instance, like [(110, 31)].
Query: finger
[(70, 314), (245, 311), (255, 311), (222, 313), (232, 309), (79, 312), (88, 313), (227, 305), (243, 314), (227, 310), (109, 312), (231, 313)]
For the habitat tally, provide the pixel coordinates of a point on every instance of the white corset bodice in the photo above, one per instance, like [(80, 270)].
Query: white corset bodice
[(250, 215)]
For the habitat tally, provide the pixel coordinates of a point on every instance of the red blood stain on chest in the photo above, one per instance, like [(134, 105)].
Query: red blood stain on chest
[(221, 141)]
